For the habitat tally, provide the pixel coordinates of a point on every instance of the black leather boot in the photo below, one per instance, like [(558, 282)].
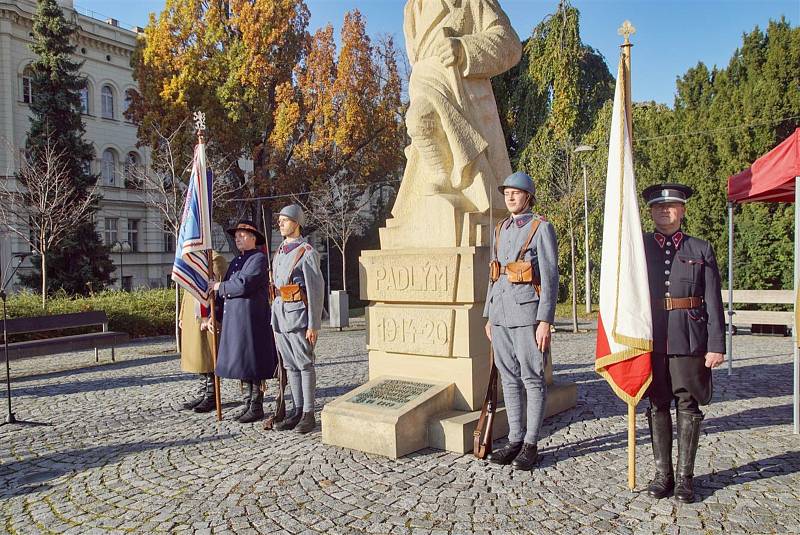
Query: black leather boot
[(506, 454), (209, 402), (527, 458), (256, 410), (663, 482), (201, 394), (247, 393), (307, 423), (290, 421), (688, 437)]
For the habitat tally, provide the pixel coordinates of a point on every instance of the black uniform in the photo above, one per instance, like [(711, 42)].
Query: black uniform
[(681, 266)]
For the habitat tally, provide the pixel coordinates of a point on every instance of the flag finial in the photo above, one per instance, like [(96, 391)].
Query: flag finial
[(200, 122), (626, 30)]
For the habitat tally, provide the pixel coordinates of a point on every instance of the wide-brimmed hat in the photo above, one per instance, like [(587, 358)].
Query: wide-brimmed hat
[(249, 226), (667, 192)]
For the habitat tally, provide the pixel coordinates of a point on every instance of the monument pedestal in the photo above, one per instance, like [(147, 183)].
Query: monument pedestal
[(425, 328)]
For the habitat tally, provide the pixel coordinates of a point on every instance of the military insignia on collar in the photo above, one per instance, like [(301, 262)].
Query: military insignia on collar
[(289, 247), (660, 239), (677, 238), (523, 220)]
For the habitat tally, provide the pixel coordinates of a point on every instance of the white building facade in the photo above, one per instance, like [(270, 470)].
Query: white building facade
[(124, 221)]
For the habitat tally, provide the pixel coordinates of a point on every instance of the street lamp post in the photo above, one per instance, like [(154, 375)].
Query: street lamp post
[(587, 275), (121, 247)]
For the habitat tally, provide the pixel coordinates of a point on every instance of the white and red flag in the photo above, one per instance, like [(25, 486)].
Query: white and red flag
[(624, 325)]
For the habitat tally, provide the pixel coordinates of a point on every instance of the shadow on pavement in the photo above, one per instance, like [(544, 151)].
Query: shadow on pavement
[(31, 475), (779, 465)]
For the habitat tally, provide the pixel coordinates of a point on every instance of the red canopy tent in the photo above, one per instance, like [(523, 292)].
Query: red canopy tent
[(772, 178)]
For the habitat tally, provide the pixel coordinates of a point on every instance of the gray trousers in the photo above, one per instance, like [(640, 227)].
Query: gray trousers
[(298, 359), (521, 367)]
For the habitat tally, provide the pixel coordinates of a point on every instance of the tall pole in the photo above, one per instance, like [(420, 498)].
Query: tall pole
[(796, 351), (729, 346), (626, 30), (587, 272)]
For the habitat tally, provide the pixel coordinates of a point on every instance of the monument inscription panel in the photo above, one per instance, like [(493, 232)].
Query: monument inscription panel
[(408, 277), (412, 330), (390, 394)]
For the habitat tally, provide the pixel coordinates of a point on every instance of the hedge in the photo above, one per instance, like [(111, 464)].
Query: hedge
[(139, 313)]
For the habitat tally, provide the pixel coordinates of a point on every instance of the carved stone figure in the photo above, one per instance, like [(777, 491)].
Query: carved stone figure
[(457, 146)]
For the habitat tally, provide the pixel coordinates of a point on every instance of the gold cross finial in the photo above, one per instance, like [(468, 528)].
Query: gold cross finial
[(626, 30)]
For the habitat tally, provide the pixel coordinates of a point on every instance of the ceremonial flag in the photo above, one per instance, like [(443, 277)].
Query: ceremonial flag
[(624, 324), (190, 269)]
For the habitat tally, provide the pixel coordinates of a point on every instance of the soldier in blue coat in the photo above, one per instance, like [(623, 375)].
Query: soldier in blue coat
[(688, 336), (297, 316), (520, 307), (246, 346)]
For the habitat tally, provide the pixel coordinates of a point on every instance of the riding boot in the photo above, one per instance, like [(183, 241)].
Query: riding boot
[(247, 393), (209, 402), (660, 422), (527, 457), (688, 437), (256, 410), (290, 421), (306, 424), (201, 395), (506, 454)]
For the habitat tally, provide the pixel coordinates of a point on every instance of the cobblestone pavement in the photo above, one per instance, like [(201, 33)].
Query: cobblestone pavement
[(117, 456)]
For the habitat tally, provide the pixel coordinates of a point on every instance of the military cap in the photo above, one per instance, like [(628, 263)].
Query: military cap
[(250, 227), (668, 192), (520, 181), (295, 213)]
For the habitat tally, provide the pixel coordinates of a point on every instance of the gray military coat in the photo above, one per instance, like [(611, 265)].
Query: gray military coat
[(517, 305), (288, 317)]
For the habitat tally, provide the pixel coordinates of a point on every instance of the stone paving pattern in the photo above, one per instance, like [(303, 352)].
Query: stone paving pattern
[(117, 456)]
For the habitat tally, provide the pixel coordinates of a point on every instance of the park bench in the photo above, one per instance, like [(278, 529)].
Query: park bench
[(62, 344), (782, 319)]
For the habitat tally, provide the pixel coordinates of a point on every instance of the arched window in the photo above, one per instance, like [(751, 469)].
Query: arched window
[(85, 100), (109, 167), (27, 85), (130, 95), (133, 165), (107, 97)]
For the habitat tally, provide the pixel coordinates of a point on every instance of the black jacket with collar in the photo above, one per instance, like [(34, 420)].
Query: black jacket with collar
[(684, 266)]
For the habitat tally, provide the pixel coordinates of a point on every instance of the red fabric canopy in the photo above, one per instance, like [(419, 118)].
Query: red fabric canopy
[(771, 177)]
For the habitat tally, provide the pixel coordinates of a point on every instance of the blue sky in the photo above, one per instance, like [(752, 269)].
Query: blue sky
[(672, 35)]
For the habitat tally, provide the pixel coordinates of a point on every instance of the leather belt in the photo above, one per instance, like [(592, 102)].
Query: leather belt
[(677, 303)]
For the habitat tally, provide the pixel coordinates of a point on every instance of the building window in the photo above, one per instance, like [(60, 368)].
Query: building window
[(133, 234), (169, 238), (27, 85), (85, 100), (107, 96), (130, 94), (109, 167), (133, 171), (111, 231)]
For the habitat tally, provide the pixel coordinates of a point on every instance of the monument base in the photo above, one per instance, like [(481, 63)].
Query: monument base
[(387, 416), (452, 430)]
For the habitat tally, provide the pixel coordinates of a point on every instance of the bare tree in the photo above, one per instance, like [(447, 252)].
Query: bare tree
[(340, 212), (45, 205)]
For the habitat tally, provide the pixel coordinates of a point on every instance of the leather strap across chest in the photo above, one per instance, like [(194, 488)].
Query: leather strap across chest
[(534, 227)]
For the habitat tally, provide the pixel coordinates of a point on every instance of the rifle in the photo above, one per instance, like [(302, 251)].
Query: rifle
[(280, 371), (482, 436)]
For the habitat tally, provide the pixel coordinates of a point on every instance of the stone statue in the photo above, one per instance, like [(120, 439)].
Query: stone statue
[(457, 146)]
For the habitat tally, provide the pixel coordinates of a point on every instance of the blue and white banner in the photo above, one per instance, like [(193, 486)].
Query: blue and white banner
[(190, 269)]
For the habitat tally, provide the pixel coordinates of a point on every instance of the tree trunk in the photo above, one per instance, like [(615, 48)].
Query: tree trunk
[(344, 266), (574, 277), (44, 282), (177, 318)]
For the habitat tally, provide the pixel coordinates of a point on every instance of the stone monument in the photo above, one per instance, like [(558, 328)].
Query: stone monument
[(428, 354)]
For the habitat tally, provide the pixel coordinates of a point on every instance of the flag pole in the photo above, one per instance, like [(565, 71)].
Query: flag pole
[(200, 124), (626, 31)]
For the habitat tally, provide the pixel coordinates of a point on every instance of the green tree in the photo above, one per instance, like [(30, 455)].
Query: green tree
[(81, 262)]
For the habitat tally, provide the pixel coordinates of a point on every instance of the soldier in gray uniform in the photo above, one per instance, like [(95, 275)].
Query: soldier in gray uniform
[(297, 315), (520, 307), (688, 336)]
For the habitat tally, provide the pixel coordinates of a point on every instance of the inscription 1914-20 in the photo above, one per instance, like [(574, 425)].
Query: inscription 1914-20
[(390, 394)]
